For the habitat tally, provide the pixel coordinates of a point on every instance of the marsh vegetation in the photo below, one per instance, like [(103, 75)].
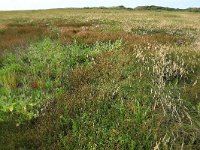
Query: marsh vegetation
[(99, 79)]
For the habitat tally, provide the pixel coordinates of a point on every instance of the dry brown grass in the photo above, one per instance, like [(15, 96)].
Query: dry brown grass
[(18, 36), (89, 36), (67, 33), (3, 26), (63, 23)]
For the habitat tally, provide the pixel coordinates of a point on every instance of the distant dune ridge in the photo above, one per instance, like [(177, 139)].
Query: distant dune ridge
[(151, 7)]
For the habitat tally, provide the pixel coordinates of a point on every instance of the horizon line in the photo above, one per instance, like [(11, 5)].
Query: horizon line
[(85, 7)]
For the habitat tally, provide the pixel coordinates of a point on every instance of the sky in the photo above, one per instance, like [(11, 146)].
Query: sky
[(46, 4)]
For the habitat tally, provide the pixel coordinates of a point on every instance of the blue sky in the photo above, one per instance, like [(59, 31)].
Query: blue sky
[(44, 4)]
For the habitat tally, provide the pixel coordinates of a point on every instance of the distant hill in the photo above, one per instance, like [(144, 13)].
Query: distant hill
[(114, 7), (152, 7), (160, 8), (193, 9)]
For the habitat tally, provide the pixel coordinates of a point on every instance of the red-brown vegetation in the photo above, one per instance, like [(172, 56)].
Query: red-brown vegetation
[(18, 36)]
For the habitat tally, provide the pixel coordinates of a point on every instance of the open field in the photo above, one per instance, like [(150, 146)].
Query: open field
[(99, 79)]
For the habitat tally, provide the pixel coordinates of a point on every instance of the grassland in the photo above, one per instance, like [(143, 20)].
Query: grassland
[(99, 79)]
